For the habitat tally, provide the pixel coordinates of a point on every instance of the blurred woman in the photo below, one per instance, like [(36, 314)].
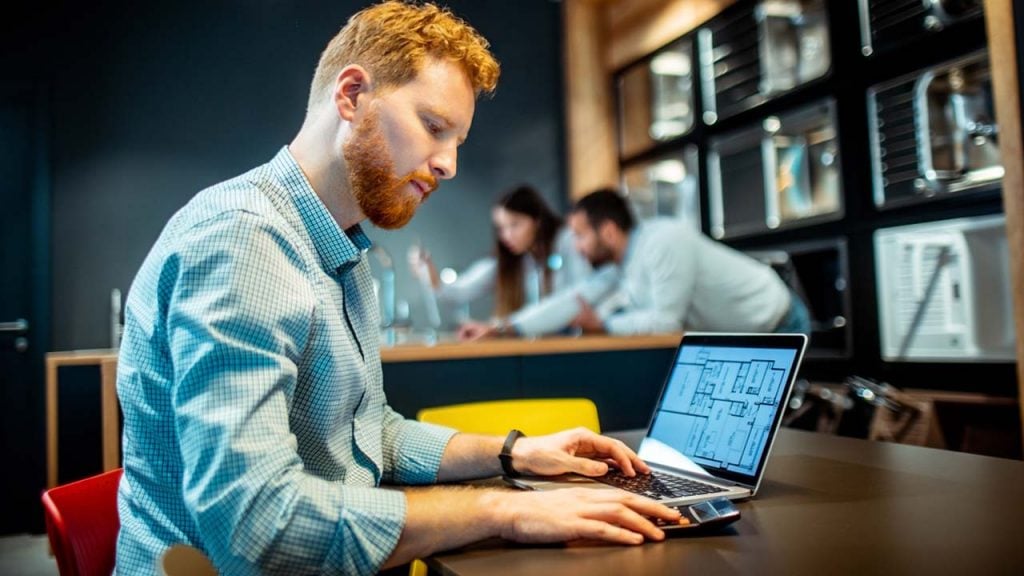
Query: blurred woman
[(533, 257)]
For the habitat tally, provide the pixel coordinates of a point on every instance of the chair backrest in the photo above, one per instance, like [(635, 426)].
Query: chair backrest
[(184, 560), (534, 417), (82, 523)]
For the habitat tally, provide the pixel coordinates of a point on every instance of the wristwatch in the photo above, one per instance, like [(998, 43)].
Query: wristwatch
[(506, 453)]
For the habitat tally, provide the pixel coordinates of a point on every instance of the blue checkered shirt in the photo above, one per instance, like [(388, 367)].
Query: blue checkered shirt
[(255, 423)]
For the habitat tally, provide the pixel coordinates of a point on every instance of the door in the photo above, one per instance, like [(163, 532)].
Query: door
[(24, 302)]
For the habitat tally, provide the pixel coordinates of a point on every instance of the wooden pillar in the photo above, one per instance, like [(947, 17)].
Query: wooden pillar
[(1002, 42), (590, 129)]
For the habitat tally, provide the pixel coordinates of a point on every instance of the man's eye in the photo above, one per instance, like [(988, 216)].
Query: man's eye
[(433, 127)]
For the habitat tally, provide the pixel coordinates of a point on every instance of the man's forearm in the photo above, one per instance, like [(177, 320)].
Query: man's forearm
[(441, 518), (470, 456)]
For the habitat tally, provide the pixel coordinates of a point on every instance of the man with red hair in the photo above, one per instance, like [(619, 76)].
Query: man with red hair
[(255, 423)]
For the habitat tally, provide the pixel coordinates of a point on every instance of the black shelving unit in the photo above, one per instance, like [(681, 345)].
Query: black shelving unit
[(832, 255)]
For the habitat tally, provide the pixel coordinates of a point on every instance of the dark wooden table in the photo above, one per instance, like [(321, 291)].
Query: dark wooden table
[(829, 505)]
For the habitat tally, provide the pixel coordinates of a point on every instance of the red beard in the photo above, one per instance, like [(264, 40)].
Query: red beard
[(381, 195)]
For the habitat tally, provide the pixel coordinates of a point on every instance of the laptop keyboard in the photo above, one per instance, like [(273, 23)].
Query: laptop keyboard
[(655, 485)]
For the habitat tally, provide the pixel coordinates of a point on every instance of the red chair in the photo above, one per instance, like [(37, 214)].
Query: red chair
[(82, 523)]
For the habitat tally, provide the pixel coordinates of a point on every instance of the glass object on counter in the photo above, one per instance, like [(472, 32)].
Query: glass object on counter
[(782, 173), (751, 54), (944, 291), (666, 186), (656, 99), (421, 273), (382, 270), (934, 133), (116, 318)]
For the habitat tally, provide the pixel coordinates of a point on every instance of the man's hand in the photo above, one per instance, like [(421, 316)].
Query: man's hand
[(578, 450), (441, 518), (582, 514), (472, 330), (587, 319)]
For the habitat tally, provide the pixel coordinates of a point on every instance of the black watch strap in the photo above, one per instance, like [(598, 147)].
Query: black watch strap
[(506, 453)]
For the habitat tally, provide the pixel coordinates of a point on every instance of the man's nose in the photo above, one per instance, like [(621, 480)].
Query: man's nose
[(444, 164)]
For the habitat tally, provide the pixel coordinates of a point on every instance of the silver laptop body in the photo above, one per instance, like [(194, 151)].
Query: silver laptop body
[(717, 417)]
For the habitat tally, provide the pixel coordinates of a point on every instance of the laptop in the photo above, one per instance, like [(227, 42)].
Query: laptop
[(713, 426)]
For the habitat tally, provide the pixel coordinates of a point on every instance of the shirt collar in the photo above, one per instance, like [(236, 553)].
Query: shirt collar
[(339, 250)]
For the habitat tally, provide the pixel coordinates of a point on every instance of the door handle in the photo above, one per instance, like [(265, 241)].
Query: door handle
[(19, 326)]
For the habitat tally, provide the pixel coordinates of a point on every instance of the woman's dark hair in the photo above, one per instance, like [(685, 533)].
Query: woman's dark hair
[(527, 201)]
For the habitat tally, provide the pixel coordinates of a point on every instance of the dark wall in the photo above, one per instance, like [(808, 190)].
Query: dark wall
[(153, 101)]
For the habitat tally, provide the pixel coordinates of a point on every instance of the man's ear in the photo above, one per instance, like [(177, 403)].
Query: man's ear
[(608, 231), (350, 90)]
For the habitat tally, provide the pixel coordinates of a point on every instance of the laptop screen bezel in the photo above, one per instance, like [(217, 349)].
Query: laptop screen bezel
[(795, 342)]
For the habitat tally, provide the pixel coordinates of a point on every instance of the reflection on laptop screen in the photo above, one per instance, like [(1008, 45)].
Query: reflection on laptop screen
[(719, 407)]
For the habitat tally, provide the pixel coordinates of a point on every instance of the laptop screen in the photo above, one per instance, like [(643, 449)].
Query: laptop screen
[(722, 403)]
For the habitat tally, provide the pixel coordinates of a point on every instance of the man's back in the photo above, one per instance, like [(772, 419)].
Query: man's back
[(676, 278)]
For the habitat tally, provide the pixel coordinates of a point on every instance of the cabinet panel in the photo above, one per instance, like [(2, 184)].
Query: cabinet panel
[(784, 172), (758, 51), (411, 386), (656, 99), (944, 291), (890, 24), (933, 133)]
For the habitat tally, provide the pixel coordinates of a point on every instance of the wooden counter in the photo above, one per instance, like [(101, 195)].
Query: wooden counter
[(525, 347), (447, 350)]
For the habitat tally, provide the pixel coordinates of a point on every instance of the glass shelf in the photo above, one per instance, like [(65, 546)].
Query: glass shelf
[(666, 186), (656, 99), (784, 172)]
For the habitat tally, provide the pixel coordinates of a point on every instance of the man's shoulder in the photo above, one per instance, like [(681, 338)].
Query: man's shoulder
[(247, 201), (242, 194), (663, 228)]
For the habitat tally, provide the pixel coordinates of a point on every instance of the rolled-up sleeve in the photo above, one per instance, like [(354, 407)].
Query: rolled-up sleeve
[(558, 310), (412, 450), (237, 325)]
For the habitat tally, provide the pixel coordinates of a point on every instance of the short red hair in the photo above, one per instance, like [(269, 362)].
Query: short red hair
[(393, 39)]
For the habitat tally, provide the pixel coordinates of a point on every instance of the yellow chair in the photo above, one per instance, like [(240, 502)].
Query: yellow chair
[(533, 417)]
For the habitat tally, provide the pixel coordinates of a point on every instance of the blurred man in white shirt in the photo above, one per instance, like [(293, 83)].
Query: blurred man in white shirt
[(673, 278)]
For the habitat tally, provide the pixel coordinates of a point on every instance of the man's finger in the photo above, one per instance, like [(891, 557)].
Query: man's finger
[(598, 530), (621, 514), (615, 450), (586, 466), (647, 507)]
